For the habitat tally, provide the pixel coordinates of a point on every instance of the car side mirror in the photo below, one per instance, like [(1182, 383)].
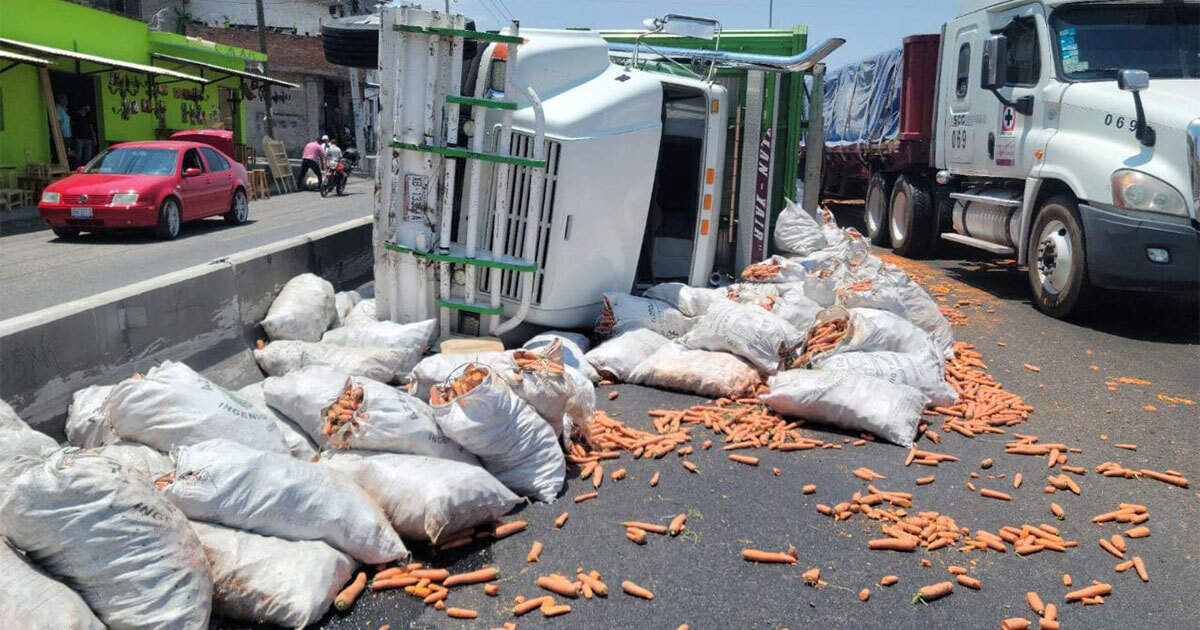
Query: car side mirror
[(78, 169), (1135, 81), (995, 51), (191, 172)]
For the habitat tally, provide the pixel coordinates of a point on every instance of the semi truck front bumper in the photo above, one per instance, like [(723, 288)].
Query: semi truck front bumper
[(1138, 250)]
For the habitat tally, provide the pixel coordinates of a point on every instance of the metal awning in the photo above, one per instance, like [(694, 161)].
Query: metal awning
[(10, 59), (227, 72), (112, 64)]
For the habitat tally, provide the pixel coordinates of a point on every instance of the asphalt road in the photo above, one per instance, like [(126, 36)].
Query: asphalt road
[(39, 270), (700, 579)]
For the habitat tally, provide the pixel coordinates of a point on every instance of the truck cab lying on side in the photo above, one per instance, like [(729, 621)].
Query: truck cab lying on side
[(1065, 134)]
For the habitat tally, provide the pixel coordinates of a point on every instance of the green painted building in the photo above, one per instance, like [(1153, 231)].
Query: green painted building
[(121, 80)]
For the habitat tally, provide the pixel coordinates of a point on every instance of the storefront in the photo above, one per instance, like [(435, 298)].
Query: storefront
[(107, 79)]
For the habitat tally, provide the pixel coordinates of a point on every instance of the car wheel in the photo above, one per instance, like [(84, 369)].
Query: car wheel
[(239, 208), (912, 220), (170, 219), (1056, 260), (875, 210), (65, 234)]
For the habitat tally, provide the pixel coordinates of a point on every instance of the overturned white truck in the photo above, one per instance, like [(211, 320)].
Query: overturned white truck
[(572, 176)]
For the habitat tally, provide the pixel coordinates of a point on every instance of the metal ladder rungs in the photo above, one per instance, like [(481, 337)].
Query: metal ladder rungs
[(458, 256), (456, 303), (481, 102), (470, 155)]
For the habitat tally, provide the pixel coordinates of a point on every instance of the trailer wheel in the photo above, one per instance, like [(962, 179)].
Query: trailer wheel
[(912, 217), (352, 41), (875, 210), (1056, 260)]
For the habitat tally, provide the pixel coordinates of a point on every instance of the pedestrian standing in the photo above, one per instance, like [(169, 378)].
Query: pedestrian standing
[(85, 135), (313, 156), (64, 124)]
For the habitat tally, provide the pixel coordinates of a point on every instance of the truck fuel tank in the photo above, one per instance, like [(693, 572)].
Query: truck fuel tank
[(990, 215)]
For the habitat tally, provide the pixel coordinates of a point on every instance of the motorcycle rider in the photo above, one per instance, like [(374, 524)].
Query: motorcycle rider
[(332, 156)]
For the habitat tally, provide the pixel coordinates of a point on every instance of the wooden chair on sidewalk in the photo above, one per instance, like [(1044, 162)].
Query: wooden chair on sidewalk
[(259, 188), (12, 195)]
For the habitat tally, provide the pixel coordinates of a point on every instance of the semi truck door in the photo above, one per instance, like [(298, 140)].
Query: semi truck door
[(715, 131), (959, 137), (1025, 67)]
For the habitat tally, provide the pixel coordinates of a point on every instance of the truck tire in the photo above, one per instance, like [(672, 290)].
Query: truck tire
[(875, 209), (912, 218), (1057, 260)]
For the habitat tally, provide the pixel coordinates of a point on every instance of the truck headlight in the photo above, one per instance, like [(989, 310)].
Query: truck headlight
[(49, 197), (124, 199), (1135, 190)]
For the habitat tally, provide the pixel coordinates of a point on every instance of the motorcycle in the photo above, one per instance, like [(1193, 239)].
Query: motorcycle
[(338, 173)]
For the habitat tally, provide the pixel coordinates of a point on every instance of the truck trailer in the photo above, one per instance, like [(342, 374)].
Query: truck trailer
[(1062, 133)]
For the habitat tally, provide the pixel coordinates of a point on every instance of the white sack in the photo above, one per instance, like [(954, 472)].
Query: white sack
[(87, 422), (711, 374), (382, 364), (343, 302), (922, 370), (362, 313), (574, 348), (223, 482), (172, 405), (748, 331), (775, 270), (795, 308), (690, 301), (437, 369), (797, 232), (873, 330), (138, 459), (580, 407), (304, 396), (548, 391), (505, 432), (263, 579), (426, 498), (32, 600), (24, 441), (631, 313), (9, 418), (411, 339), (848, 400), (303, 309), (617, 357), (299, 444), (129, 553), (892, 290)]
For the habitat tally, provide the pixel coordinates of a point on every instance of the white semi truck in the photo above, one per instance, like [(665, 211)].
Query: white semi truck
[(573, 174), (1063, 133)]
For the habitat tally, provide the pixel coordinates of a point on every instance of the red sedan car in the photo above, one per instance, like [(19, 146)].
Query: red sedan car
[(159, 184)]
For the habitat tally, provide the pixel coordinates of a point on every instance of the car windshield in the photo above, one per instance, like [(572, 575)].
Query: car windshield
[(134, 161), (1096, 41)]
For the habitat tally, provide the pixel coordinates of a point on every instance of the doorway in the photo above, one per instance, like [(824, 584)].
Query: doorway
[(75, 99), (669, 240)]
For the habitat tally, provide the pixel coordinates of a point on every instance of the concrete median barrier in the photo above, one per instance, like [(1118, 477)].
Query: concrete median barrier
[(206, 316)]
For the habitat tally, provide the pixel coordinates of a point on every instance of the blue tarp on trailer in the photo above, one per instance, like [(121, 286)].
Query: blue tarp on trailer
[(862, 101)]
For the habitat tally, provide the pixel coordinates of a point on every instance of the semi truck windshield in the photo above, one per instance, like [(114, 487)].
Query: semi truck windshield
[(1095, 41)]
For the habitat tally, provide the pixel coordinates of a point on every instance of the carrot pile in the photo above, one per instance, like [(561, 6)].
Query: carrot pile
[(822, 338), (766, 270), (529, 361), (1113, 469), (431, 586), (983, 406), (344, 411), (471, 377), (607, 320)]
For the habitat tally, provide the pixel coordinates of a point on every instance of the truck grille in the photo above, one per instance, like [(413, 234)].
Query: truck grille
[(519, 180)]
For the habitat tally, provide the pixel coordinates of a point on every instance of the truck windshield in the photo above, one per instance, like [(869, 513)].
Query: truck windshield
[(134, 161), (1096, 41)]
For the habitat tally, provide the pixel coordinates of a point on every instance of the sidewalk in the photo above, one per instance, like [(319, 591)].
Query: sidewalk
[(20, 220)]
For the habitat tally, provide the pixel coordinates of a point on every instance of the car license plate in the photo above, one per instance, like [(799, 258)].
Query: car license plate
[(81, 213)]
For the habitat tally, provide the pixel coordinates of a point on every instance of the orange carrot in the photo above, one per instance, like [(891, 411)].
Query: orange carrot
[(461, 613), (1118, 542), (1140, 567), (690, 466), (1031, 368), (812, 577), (559, 586), (1048, 624), (561, 520), (346, 598), (1014, 623), (1140, 531), (970, 582), (933, 591), (491, 590), (864, 594), (653, 528), (756, 555), (393, 582), (1128, 447), (433, 575), (534, 552), (1051, 613), (1066, 579), (598, 587), (893, 544), (508, 529), (744, 459), (486, 574), (677, 524), (638, 536), (598, 477), (635, 590), (956, 570), (435, 597), (617, 474), (992, 494), (613, 395), (1035, 602), (1107, 546), (584, 497), (654, 479), (1124, 566), (1094, 590), (1017, 481), (554, 611), (532, 604), (1057, 511), (924, 481), (809, 489), (889, 580)]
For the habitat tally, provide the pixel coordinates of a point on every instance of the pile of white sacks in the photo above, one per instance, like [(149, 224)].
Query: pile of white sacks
[(177, 499)]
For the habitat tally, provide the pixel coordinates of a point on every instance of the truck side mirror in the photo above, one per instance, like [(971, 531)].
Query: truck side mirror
[(684, 25), (995, 51), (1135, 81)]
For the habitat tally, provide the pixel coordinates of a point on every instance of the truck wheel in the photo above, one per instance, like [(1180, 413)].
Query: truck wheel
[(1056, 259), (912, 218), (352, 41), (875, 210)]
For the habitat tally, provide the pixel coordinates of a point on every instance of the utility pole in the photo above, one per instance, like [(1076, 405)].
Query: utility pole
[(262, 47)]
